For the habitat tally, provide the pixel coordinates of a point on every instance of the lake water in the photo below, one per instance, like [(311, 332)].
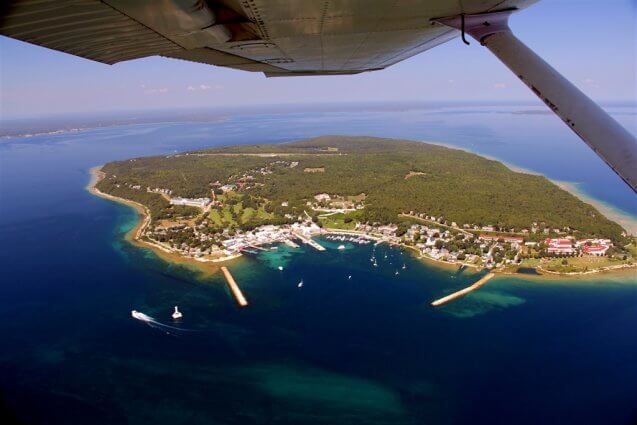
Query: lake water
[(368, 349)]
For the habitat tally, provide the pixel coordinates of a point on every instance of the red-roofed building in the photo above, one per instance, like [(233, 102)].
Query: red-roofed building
[(598, 250), (560, 246)]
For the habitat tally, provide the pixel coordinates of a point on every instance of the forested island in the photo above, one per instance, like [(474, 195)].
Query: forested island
[(445, 204)]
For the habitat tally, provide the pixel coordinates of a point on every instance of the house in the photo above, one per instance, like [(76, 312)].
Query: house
[(228, 187), (322, 197), (509, 239)]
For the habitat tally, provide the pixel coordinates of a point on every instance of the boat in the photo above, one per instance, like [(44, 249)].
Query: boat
[(349, 277), (300, 284), (341, 247), (137, 315), (375, 263), (404, 266), (177, 314), (396, 274), (280, 268)]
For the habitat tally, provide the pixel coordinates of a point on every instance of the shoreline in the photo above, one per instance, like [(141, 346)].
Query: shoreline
[(624, 219), (627, 221), (209, 267)]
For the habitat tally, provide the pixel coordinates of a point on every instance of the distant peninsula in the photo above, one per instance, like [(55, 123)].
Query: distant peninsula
[(445, 204)]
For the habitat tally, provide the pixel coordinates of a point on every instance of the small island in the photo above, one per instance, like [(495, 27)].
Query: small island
[(444, 204)]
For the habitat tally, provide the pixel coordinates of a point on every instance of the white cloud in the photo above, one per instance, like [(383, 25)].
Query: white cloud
[(500, 86), (591, 83), (204, 87), (160, 90)]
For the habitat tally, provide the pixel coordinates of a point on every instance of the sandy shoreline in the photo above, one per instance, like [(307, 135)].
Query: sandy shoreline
[(133, 236), (628, 222)]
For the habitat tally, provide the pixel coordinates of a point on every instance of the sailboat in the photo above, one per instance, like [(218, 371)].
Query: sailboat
[(300, 284), (404, 266)]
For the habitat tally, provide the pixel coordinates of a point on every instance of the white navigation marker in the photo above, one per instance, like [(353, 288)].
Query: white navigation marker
[(177, 314)]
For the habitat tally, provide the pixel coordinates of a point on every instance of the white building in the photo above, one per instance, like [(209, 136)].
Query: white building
[(197, 202)]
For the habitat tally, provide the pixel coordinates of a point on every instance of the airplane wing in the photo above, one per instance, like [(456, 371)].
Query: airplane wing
[(311, 37), (277, 37)]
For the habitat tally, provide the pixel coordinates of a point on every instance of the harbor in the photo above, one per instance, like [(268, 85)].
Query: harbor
[(462, 292), (234, 288), (309, 241)]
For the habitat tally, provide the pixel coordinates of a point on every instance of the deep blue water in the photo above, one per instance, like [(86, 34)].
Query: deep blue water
[(365, 350)]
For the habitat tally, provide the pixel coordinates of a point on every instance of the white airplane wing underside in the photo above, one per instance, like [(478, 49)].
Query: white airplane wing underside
[(278, 37)]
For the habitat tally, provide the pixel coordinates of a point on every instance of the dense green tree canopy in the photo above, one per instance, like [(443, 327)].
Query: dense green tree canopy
[(396, 176)]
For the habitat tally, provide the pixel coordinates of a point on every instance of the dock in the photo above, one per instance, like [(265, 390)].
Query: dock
[(238, 295), (310, 242), (462, 292), (290, 243)]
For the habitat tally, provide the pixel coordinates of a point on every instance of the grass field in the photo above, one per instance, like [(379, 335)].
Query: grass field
[(337, 221), (232, 215), (574, 264)]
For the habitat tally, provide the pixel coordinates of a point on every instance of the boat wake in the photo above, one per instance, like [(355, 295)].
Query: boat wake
[(150, 321)]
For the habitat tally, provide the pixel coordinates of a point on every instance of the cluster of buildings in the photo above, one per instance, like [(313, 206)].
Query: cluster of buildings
[(326, 203), (570, 246), (535, 227)]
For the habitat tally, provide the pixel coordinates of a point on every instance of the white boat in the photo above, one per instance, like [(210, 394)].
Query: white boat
[(375, 263), (177, 314), (300, 284), (136, 314), (349, 277), (341, 247), (396, 273), (280, 268), (404, 266)]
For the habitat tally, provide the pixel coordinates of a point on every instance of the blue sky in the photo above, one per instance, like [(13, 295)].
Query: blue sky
[(593, 43)]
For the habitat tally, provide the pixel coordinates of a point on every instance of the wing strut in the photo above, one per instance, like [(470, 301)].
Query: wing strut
[(608, 139)]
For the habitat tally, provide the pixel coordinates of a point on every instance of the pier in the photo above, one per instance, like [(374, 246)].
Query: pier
[(290, 243), (462, 292), (309, 241), (238, 295)]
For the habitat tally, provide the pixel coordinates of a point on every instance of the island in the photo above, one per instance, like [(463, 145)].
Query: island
[(446, 205)]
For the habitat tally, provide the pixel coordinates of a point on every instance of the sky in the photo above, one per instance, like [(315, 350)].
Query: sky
[(592, 43)]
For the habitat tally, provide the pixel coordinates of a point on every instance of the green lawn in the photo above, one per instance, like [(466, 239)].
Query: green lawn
[(337, 221), (574, 264), (215, 217)]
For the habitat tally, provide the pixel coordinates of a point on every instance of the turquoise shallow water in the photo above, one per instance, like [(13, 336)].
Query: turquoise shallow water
[(368, 349)]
